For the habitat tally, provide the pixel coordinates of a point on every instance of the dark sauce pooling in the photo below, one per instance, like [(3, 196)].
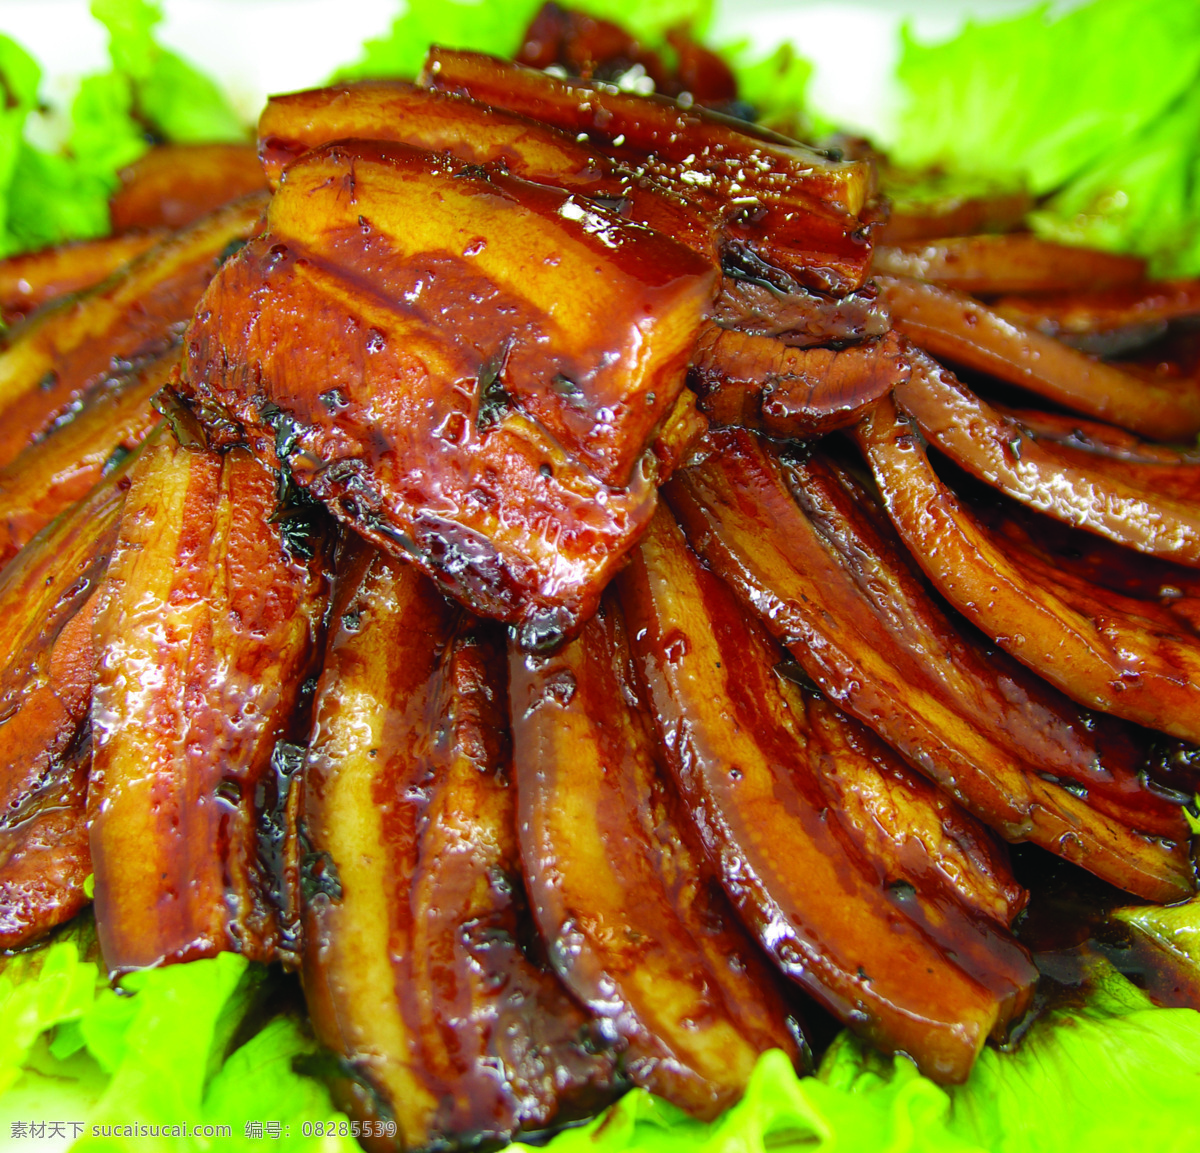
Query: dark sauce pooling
[(1067, 925)]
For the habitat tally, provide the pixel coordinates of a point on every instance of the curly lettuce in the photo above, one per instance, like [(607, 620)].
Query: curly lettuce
[(1110, 1072), (169, 1047), (149, 94), (1096, 110), (1112, 142), (177, 1045)]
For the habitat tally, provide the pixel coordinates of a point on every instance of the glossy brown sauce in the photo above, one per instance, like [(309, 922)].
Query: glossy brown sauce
[(59, 469), (992, 447), (463, 1029), (481, 456), (835, 604), (787, 208), (476, 134), (618, 895), (1128, 658), (962, 330), (488, 425), (32, 279), (1068, 926), (593, 49), (747, 771), (83, 344), (182, 761), (758, 382)]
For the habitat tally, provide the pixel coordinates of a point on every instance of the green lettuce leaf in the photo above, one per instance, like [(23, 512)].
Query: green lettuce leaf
[(775, 86), (1173, 934), (850, 1106), (480, 27), (168, 95), (1141, 197), (162, 1051), (47, 197), (1104, 1073), (1112, 1073), (40, 990), (1042, 95), (20, 76), (495, 27), (1097, 109)]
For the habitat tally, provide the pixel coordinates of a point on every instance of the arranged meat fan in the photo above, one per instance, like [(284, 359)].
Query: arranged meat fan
[(551, 596)]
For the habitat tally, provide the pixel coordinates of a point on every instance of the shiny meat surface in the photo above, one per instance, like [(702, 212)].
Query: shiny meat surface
[(495, 424), (965, 331), (202, 591), (1124, 657), (82, 343), (48, 598), (418, 961), (31, 279), (1016, 262), (757, 382), (475, 134), (174, 185), (890, 948), (1077, 488), (624, 903), (803, 549), (785, 210), (61, 467), (715, 758)]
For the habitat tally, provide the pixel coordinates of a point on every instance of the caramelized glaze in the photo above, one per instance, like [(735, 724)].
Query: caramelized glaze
[(31, 279), (1016, 262), (845, 922), (620, 899), (843, 600), (1124, 657), (48, 598), (466, 328), (206, 627), (475, 134), (782, 206), (963, 330), (757, 382), (85, 343), (417, 965), (1073, 487), (440, 397), (60, 467), (1093, 309)]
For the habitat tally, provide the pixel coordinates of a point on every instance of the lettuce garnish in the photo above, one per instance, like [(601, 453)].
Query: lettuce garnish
[(1104, 1070), (149, 94), (166, 1050), (1112, 142), (161, 90), (1097, 110), (1108, 1073)]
